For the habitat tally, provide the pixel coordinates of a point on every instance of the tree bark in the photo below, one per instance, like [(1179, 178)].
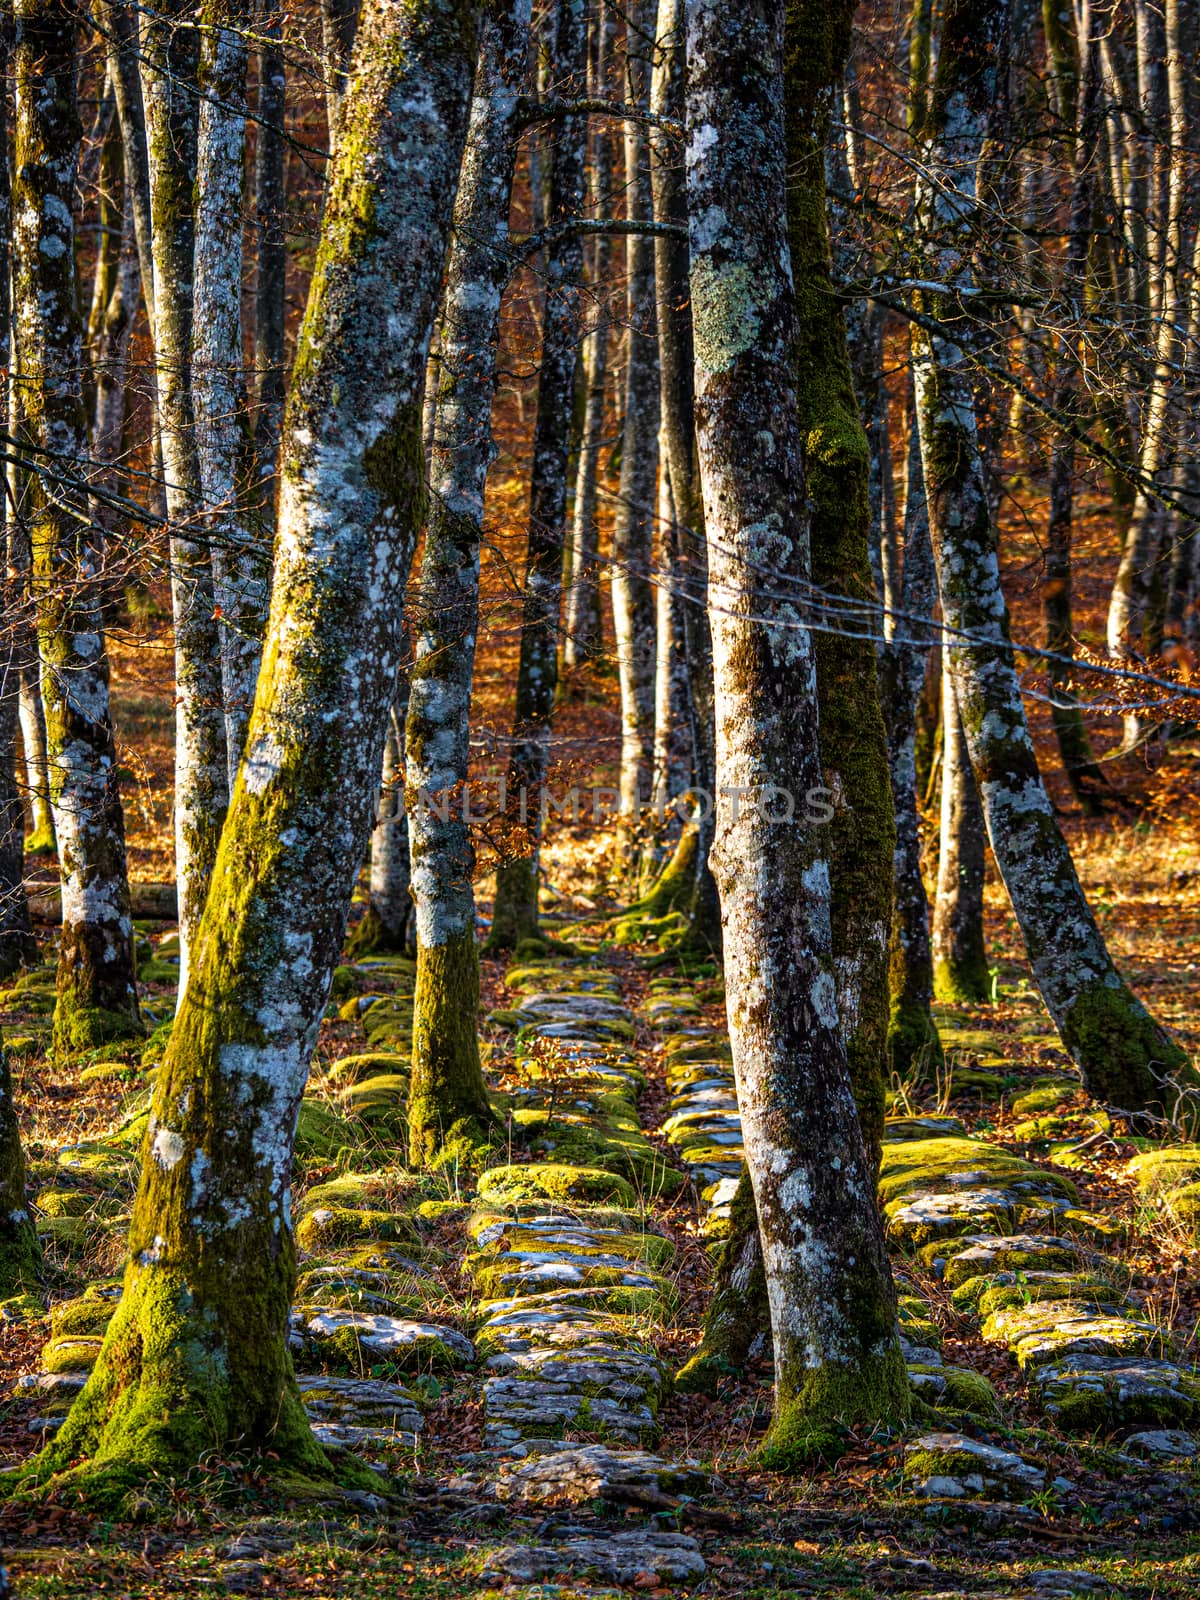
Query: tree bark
[(862, 842), (1127, 1059), (195, 1359), (170, 63), (633, 522), (837, 1357), (676, 408), (448, 1098), (240, 571), (515, 911), (912, 1034), (960, 969), (270, 287), (20, 1252), (96, 999)]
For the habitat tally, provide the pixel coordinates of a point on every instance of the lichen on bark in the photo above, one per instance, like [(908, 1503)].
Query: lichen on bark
[(832, 1304)]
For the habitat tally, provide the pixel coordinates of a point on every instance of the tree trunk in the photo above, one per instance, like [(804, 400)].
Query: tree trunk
[(676, 379), (97, 1000), (270, 287), (862, 843), (633, 523), (339, 24), (387, 923), (18, 947), (20, 1252), (115, 296), (671, 704), (912, 1034), (223, 443), (837, 1357), (1127, 1059), (583, 636), (960, 969), (448, 1098), (169, 61), (196, 1358), (515, 912)]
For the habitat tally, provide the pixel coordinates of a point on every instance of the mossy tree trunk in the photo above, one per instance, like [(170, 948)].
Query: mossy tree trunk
[(960, 969), (196, 1357), (515, 912), (97, 999), (912, 1035), (833, 1310), (388, 920), (339, 24), (676, 380), (1127, 1058), (20, 1253), (633, 518), (862, 841), (672, 746), (240, 562), (448, 1098), (170, 57)]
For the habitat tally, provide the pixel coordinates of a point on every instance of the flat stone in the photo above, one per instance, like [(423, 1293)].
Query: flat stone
[(390, 1338), (595, 1472), (364, 1403), (1083, 1393), (1161, 1444), (620, 1558), (953, 1466), (977, 1255), (903, 1130), (566, 1007)]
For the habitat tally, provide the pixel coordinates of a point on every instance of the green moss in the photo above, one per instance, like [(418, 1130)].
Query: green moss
[(553, 1181), (328, 1227), (79, 1027), (321, 1134), (353, 1069), (968, 1391), (1125, 1055)]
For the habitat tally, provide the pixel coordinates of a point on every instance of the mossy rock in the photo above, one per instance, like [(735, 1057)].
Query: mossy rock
[(155, 1047), (76, 1203), (21, 1308), (331, 1227), (716, 1048), (442, 1210), (549, 1180), (73, 1235), (1157, 1172), (368, 1064), (355, 1190), (155, 971), (1009, 1290), (915, 1321), (107, 1072), (984, 1256), (925, 1166), (88, 1315), (956, 1389), (75, 1353), (1046, 1094), (97, 1164)]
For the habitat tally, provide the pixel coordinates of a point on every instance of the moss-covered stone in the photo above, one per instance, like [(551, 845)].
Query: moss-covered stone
[(555, 1181), (328, 1227)]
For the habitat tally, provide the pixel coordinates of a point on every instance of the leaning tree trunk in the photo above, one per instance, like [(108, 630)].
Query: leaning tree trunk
[(97, 999), (20, 1253), (960, 969), (196, 1359), (862, 840), (239, 562), (515, 912), (676, 379), (837, 1356), (633, 521), (912, 1033), (1127, 1059), (170, 91), (447, 1095)]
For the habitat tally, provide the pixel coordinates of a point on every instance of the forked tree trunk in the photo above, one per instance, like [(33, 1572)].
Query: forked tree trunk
[(837, 1357), (170, 62), (97, 1000), (447, 1094), (195, 1359), (223, 443), (1127, 1059), (515, 912)]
